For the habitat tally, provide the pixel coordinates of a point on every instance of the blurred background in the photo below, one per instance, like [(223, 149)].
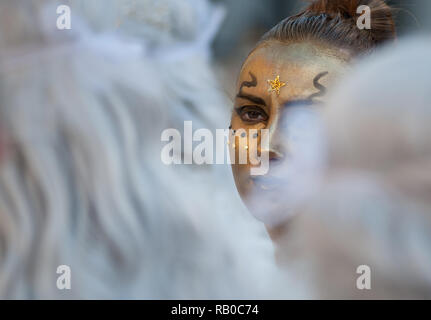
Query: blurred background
[(247, 20)]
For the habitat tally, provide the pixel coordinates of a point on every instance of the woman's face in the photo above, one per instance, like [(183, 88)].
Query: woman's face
[(304, 71)]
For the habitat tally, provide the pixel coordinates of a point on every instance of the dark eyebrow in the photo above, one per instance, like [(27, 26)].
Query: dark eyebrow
[(251, 98)]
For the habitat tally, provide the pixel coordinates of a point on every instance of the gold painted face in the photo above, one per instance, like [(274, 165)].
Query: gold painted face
[(274, 76)]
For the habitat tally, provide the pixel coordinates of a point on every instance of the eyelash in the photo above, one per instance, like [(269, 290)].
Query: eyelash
[(245, 111)]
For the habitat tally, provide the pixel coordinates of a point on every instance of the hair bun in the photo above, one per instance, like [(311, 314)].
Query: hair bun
[(382, 22)]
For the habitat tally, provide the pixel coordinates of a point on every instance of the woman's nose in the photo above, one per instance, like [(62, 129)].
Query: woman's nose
[(275, 155)]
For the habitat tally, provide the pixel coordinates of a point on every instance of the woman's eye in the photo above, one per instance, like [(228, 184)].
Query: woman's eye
[(252, 114)]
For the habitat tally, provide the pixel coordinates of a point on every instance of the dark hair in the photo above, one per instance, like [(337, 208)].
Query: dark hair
[(335, 22)]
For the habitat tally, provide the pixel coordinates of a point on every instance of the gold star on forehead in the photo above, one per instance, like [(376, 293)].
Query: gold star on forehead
[(276, 85)]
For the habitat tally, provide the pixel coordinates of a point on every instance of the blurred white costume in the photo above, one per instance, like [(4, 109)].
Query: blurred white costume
[(81, 181)]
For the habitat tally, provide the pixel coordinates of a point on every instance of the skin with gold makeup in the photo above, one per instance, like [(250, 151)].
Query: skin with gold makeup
[(295, 63)]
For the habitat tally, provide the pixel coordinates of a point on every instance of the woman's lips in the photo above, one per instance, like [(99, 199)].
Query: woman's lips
[(268, 183)]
